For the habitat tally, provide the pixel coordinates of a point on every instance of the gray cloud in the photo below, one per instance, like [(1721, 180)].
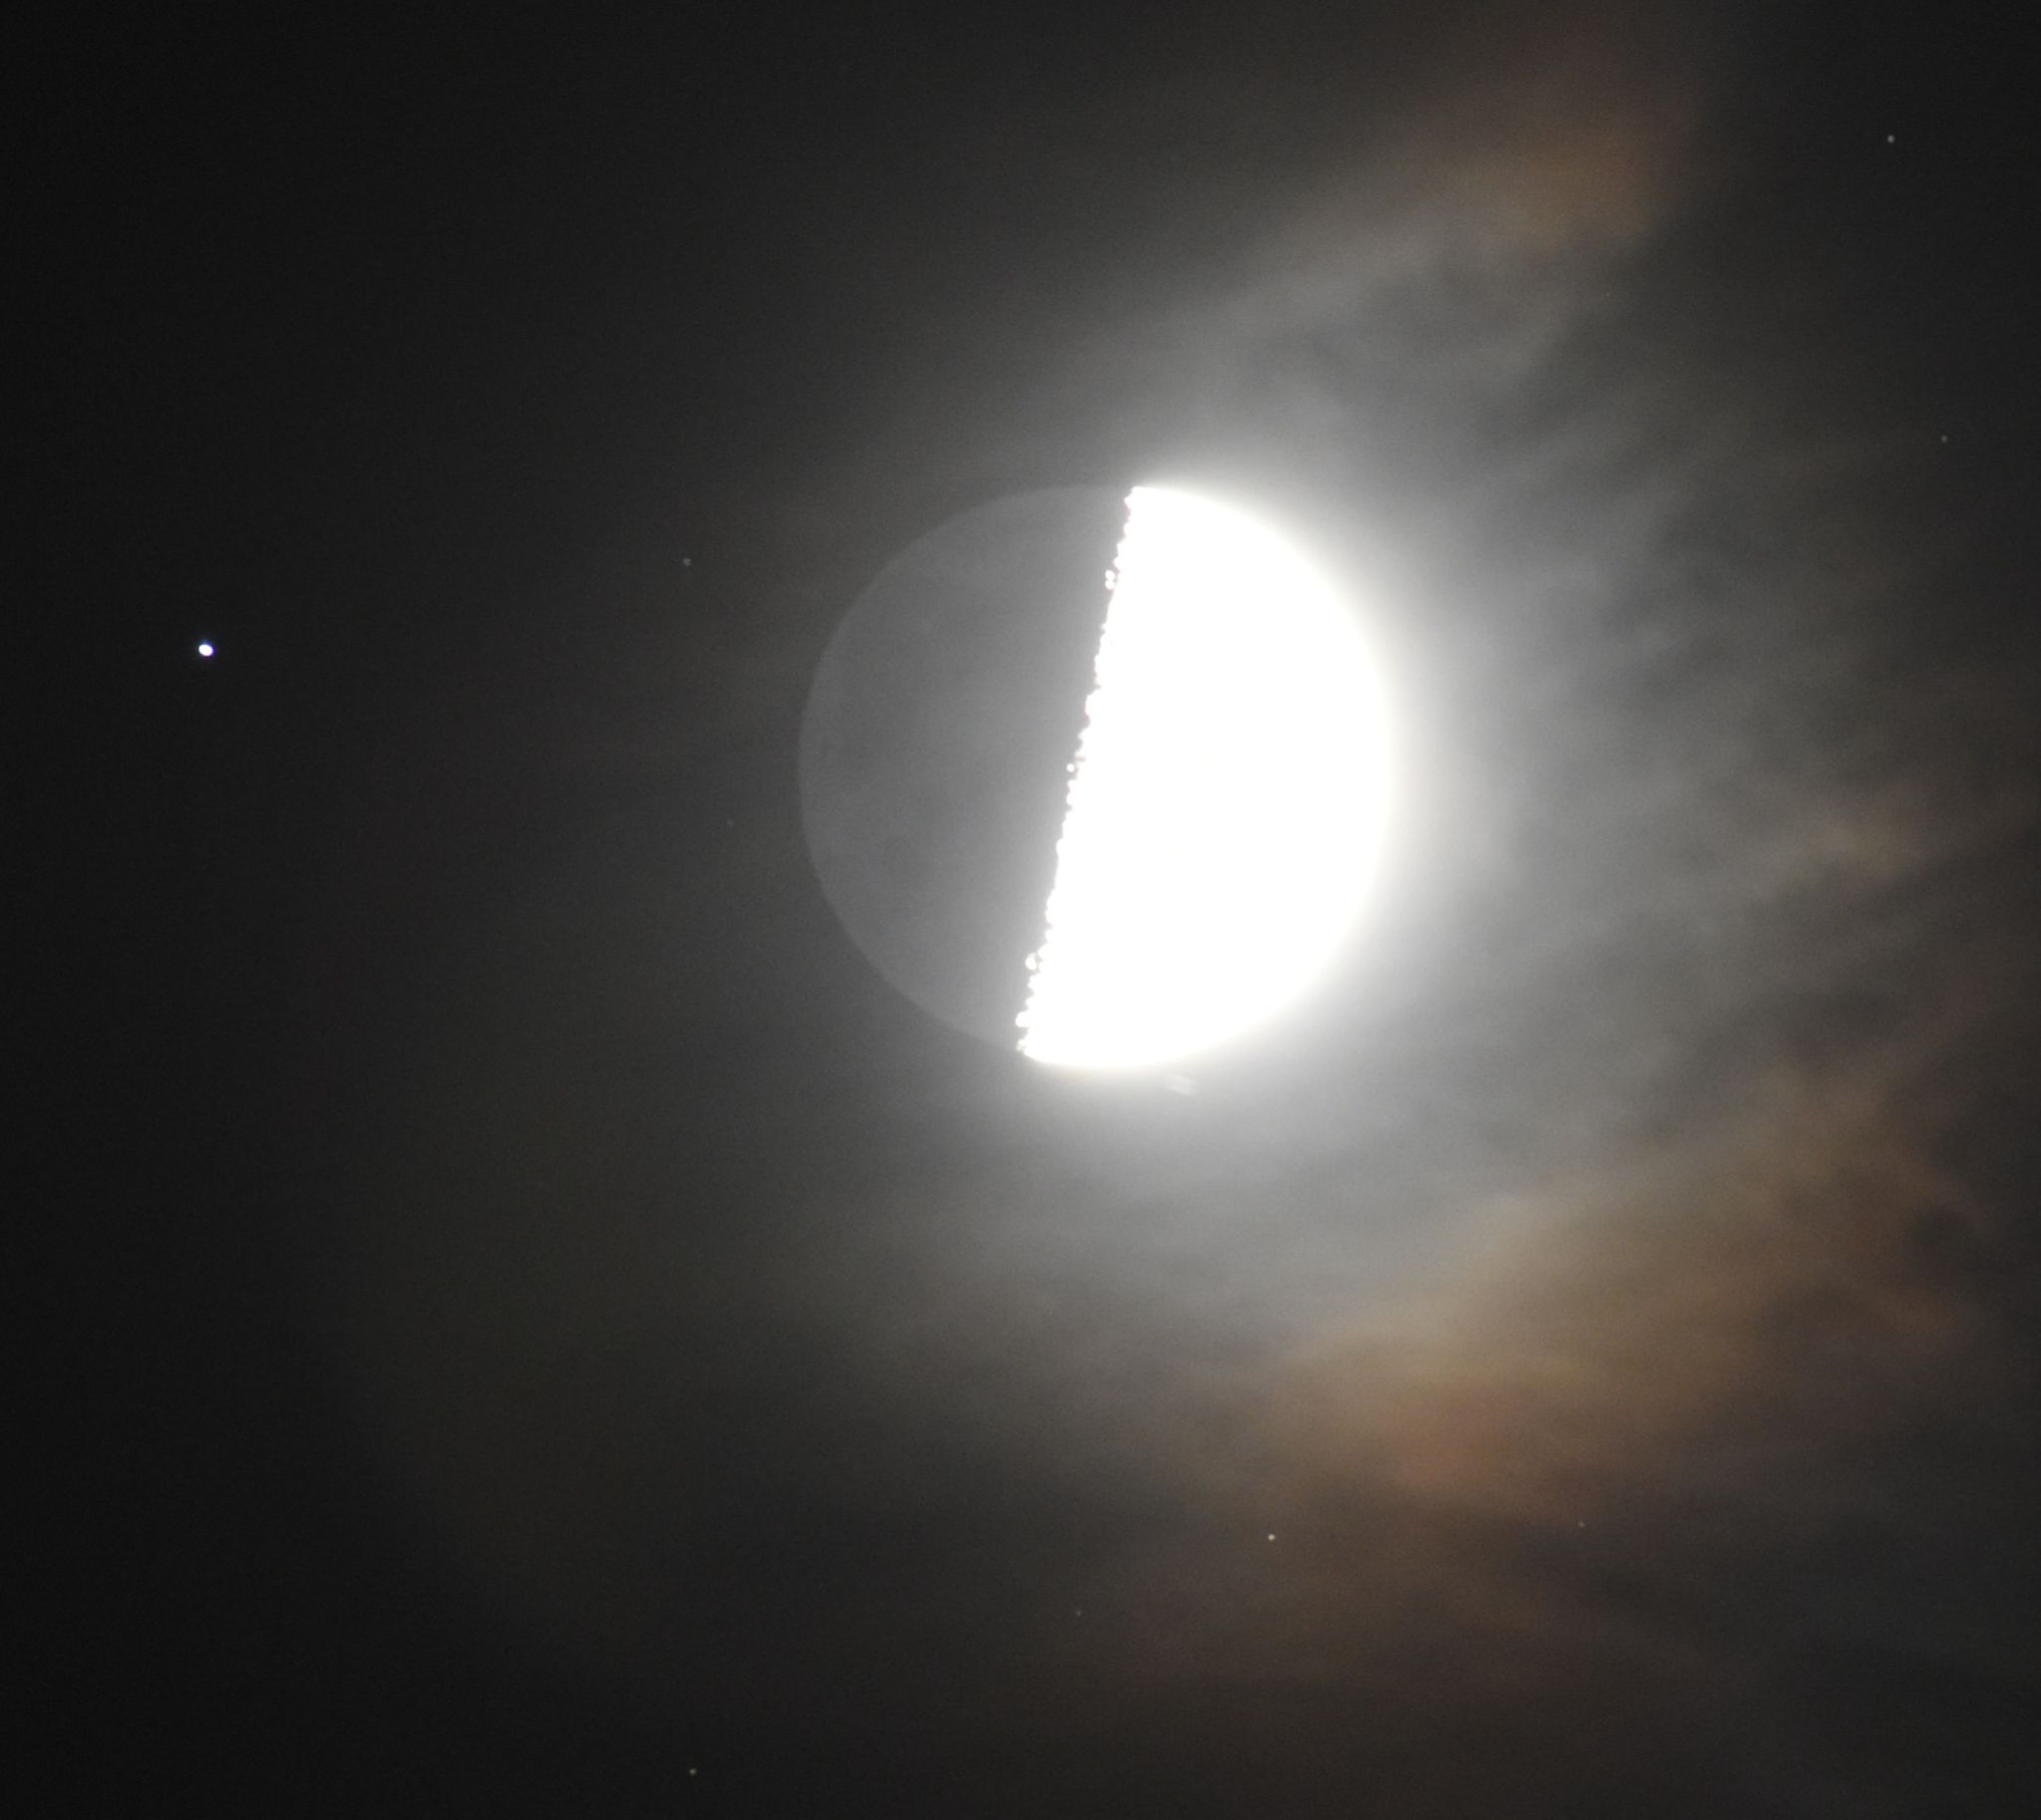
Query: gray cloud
[(1609, 1298)]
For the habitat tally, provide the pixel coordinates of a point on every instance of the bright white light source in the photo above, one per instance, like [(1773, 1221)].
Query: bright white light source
[(1227, 800), (205, 650)]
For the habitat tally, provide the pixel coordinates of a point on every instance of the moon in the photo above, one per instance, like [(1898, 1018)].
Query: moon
[(1097, 777), (1225, 804)]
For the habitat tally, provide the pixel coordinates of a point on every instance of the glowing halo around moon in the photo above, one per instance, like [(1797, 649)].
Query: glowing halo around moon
[(1227, 801)]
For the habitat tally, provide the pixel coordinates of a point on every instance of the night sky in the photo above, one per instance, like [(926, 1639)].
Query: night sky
[(538, 1326)]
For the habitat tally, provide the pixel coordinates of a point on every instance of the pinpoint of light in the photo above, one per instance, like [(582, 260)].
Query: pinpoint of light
[(204, 649), (1227, 800)]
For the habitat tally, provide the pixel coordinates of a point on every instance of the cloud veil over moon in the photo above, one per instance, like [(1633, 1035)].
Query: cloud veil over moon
[(1580, 1357)]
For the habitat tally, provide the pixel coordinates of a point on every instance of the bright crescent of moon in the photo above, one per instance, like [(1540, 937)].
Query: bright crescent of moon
[(1227, 802)]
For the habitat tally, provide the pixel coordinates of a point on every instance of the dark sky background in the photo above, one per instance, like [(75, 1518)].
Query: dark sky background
[(541, 1328)]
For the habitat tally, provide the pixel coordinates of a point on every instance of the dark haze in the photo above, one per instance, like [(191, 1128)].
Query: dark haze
[(544, 1329)]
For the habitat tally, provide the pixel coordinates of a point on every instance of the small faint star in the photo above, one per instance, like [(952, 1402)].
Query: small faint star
[(1891, 138), (205, 650), (1272, 1535)]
